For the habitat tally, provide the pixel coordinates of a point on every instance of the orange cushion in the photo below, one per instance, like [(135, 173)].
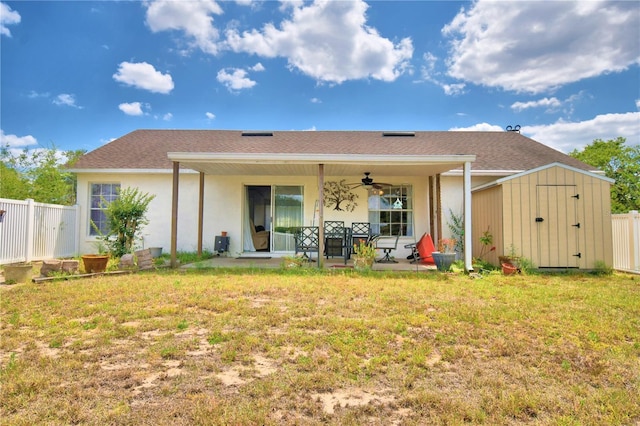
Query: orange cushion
[(425, 247)]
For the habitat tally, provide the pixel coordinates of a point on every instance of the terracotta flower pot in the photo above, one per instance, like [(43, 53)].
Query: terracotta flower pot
[(95, 262), (508, 269)]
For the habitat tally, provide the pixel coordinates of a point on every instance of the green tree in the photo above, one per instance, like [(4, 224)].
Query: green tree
[(621, 162), (39, 174), (126, 216)]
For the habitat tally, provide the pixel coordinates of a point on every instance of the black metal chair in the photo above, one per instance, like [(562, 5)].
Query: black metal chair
[(334, 238), (360, 231), (307, 241)]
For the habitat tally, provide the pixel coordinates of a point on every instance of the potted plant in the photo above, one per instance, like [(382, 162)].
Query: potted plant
[(364, 255), (445, 256), (17, 272), (95, 263), (510, 262)]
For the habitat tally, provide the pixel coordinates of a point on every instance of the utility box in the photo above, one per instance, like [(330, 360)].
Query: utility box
[(221, 244)]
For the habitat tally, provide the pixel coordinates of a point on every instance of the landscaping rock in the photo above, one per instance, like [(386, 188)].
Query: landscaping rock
[(49, 267)]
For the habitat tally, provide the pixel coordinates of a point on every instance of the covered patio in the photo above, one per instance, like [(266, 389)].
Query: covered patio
[(268, 262), (427, 167)]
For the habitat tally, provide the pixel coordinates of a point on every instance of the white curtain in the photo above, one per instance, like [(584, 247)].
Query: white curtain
[(247, 239)]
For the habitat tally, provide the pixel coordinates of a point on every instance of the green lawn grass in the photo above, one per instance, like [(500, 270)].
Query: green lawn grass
[(309, 347)]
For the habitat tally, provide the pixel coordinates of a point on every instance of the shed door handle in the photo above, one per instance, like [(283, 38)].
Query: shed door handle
[(539, 219)]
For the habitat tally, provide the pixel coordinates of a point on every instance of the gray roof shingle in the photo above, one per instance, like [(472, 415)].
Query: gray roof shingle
[(147, 149)]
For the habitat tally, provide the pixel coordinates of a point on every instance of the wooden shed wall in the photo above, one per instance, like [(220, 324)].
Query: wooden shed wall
[(486, 212), (519, 204)]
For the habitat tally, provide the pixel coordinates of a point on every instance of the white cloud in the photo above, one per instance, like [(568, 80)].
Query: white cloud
[(567, 136), (210, 116), (537, 46), (16, 142), (453, 89), (549, 103), (7, 17), (66, 99), (329, 41), (167, 117), (34, 95), (429, 73), (144, 76), (192, 17), (316, 101), (638, 103), (480, 127), (257, 67), (132, 108), (235, 79)]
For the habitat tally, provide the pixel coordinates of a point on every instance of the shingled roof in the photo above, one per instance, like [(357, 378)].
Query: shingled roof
[(495, 151)]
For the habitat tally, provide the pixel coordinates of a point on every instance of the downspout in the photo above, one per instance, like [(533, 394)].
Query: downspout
[(432, 209), (468, 243), (174, 215)]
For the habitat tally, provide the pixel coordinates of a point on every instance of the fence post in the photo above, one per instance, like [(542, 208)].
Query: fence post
[(31, 224), (634, 239), (76, 243)]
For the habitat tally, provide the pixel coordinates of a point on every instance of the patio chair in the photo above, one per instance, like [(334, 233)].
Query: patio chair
[(334, 238), (360, 231), (260, 237), (422, 250), (387, 244), (307, 240)]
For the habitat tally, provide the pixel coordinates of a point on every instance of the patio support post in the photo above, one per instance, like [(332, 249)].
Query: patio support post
[(438, 235), (468, 243), (320, 214), (200, 212), (174, 215)]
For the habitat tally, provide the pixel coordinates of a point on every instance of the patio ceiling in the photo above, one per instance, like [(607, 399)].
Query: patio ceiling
[(307, 165)]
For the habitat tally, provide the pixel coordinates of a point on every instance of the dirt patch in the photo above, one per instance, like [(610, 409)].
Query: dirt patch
[(239, 375), (354, 397)]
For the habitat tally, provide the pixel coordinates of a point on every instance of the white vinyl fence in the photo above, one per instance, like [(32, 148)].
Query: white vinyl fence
[(35, 231), (626, 241)]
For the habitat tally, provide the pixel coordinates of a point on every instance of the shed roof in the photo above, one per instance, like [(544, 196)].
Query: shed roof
[(495, 151), (539, 169)]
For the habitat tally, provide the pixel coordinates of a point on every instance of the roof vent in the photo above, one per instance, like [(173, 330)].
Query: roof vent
[(401, 134), (516, 128), (257, 133)]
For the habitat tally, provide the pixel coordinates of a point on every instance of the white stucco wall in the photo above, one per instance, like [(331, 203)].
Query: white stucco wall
[(224, 204)]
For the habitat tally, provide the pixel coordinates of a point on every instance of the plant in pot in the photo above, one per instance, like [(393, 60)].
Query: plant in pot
[(510, 262), (445, 256), (364, 255)]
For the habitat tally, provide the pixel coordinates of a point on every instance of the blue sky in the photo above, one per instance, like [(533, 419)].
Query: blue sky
[(79, 74)]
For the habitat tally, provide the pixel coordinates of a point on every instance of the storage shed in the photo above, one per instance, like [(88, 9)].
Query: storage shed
[(556, 216)]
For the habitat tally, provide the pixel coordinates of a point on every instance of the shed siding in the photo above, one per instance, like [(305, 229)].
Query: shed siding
[(487, 214)]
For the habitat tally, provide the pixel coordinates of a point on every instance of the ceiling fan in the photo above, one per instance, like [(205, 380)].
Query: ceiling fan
[(368, 182)]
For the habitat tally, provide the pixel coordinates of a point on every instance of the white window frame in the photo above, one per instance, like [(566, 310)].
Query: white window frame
[(91, 231), (385, 218)]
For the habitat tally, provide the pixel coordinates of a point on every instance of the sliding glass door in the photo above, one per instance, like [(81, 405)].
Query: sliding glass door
[(288, 210)]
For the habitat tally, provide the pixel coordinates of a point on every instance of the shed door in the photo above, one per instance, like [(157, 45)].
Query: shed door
[(558, 226)]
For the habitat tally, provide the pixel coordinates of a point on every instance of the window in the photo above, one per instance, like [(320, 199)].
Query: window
[(101, 193), (391, 210)]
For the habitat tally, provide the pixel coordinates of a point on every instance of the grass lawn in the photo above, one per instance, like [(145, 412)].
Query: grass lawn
[(274, 348)]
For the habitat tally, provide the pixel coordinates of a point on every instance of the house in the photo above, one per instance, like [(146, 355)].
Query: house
[(245, 183)]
